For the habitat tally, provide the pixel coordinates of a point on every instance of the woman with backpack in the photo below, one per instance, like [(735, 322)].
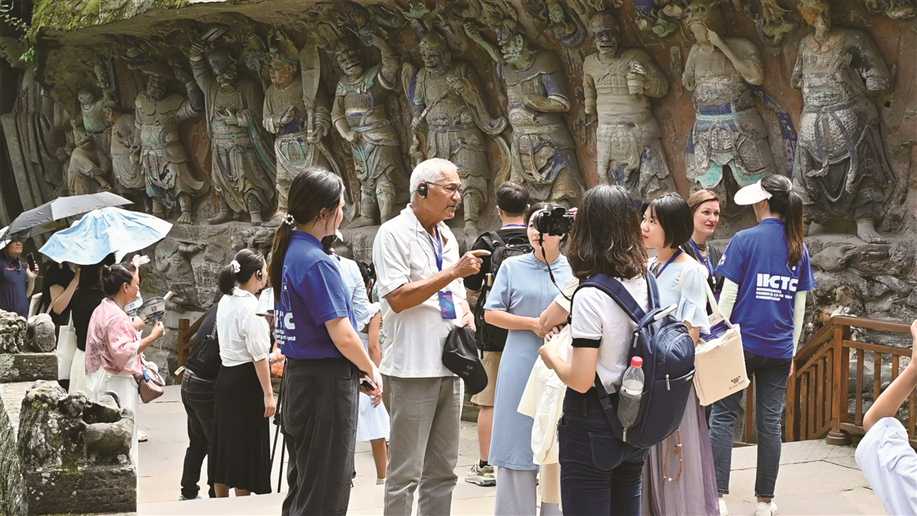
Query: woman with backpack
[(522, 290), (600, 473), (767, 274), (679, 477)]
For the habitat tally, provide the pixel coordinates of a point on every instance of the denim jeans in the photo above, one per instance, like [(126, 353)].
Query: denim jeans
[(599, 474), (770, 375), (197, 397)]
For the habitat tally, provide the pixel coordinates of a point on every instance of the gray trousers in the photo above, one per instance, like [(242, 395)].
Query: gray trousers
[(424, 443), (517, 495)]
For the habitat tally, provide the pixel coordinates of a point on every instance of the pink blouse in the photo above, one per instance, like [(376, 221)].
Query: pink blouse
[(111, 341)]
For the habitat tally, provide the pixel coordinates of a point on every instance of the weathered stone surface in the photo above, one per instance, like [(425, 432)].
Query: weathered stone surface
[(27, 367), (42, 336), (13, 500), (13, 332)]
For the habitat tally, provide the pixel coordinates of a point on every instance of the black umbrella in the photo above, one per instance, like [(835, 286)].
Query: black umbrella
[(29, 222)]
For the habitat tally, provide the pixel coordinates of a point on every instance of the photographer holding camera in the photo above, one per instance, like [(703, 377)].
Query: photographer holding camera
[(525, 285)]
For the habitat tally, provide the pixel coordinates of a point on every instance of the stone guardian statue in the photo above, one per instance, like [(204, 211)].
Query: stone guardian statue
[(840, 160), (728, 130), (618, 85), (164, 162), (360, 116), (242, 170), (447, 98), (544, 154)]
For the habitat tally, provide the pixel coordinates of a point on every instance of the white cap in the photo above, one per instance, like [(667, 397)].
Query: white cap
[(751, 194), (339, 235)]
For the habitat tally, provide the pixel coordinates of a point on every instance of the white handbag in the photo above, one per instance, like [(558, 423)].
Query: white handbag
[(66, 347), (719, 361)]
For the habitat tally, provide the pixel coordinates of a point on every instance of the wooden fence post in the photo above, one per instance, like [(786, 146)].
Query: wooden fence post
[(838, 389)]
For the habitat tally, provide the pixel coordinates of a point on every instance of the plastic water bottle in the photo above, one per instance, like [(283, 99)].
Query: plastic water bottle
[(630, 394)]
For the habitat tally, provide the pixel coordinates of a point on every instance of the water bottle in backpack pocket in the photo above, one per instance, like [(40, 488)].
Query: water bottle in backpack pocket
[(666, 351)]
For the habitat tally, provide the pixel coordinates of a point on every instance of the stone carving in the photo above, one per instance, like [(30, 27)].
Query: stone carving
[(618, 85), (42, 334), (13, 328), (164, 163), (728, 130), (894, 9), (771, 19), (841, 165), (176, 266), (57, 430), (242, 167), (360, 116), (560, 20), (41, 122), (445, 96), (544, 154), (295, 111)]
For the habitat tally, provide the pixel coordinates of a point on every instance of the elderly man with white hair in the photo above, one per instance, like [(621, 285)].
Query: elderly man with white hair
[(419, 276)]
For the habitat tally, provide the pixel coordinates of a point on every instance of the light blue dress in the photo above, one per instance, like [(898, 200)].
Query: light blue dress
[(522, 287)]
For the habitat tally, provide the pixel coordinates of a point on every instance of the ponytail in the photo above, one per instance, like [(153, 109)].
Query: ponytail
[(312, 193), (788, 204), (226, 280)]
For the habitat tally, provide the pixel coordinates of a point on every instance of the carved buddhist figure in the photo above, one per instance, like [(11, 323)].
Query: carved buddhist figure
[(618, 85), (87, 172), (544, 155), (242, 171), (447, 99), (728, 130), (360, 116), (128, 177), (298, 121), (93, 113), (840, 161), (164, 162)]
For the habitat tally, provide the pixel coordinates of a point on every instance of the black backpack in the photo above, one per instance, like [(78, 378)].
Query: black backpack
[(668, 365), (204, 359), (491, 338)]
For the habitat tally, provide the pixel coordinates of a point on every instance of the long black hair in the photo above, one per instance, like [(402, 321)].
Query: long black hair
[(249, 264), (674, 215), (606, 235), (312, 194), (788, 204)]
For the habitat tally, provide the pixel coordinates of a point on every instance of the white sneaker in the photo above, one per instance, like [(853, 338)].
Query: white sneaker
[(766, 509), (724, 510), (142, 436)]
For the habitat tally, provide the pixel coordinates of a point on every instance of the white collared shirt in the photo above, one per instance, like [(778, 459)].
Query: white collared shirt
[(403, 253), (890, 465), (244, 336)]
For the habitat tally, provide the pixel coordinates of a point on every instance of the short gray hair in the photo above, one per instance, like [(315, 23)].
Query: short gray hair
[(430, 171)]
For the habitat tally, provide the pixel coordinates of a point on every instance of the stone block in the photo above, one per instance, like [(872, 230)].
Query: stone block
[(13, 500), (42, 334), (27, 367), (13, 331), (87, 489)]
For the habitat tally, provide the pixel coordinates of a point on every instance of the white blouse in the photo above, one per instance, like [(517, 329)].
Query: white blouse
[(244, 336)]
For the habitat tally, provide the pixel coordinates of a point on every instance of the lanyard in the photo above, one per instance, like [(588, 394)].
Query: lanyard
[(437, 248), (669, 261), (510, 226), (699, 254)]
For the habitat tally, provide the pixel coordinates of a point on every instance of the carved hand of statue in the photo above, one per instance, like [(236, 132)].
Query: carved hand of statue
[(636, 79), (373, 37), (416, 122), (533, 102), (316, 133), (289, 115), (716, 40), (472, 31), (458, 84), (228, 117), (197, 51)]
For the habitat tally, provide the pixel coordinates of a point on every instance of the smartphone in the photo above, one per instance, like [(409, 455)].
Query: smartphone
[(30, 258), (367, 384)]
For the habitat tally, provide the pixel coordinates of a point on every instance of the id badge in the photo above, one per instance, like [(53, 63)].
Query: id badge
[(446, 305)]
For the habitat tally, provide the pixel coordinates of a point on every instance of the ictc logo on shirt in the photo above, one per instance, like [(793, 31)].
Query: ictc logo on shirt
[(774, 287)]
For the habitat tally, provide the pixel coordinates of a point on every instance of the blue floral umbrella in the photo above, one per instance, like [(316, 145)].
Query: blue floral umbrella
[(102, 232)]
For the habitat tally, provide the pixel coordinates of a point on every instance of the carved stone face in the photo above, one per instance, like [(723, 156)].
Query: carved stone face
[(155, 87), (224, 68), (816, 14), (281, 73), (512, 46), (606, 42), (85, 98), (434, 54), (349, 62), (556, 12)]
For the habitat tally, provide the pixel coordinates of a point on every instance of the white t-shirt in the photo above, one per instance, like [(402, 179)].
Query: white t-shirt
[(597, 317), (890, 465), (244, 336), (403, 252)]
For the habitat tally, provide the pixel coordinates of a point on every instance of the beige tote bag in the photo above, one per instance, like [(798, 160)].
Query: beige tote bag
[(719, 362)]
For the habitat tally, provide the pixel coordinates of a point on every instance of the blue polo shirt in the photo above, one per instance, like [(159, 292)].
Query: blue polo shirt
[(312, 293), (13, 285), (756, 259)]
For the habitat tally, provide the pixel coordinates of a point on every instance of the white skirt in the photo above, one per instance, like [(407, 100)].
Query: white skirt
[(373, 422), (78, 380)]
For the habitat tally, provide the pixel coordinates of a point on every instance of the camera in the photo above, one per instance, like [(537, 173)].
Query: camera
[(554, 221)]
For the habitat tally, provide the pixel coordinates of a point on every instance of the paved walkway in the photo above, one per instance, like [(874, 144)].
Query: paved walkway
[(815, 478)]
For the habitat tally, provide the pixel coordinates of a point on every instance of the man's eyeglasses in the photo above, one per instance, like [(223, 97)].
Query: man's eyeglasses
[(451, 188)]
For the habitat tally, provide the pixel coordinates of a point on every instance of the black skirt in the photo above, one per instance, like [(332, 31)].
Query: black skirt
[(240, 450)]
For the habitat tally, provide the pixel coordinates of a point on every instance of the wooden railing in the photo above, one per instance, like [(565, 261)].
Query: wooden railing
[(818, 392)]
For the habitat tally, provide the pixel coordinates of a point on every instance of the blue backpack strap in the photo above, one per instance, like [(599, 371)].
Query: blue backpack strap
[(652, 290), (616, 291)]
